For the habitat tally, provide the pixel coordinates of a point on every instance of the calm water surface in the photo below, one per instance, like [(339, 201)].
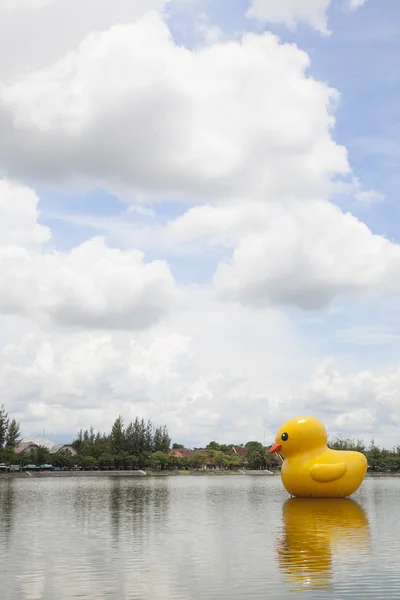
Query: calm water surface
[(195, 538)]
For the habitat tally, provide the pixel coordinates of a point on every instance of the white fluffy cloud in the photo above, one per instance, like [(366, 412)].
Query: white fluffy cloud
[(291, 12), (22, 5), (131, 107), (354, 4), (304, 254), (365, 402), (35, 33), (65, 382), (189, 372), (19, 215), (93, 285), (300, 254)]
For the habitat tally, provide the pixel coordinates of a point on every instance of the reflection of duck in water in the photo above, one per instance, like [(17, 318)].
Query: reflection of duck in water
[(316, 531), (311, 468)]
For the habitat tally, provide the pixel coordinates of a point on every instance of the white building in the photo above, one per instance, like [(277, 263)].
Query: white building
[(28, 445)]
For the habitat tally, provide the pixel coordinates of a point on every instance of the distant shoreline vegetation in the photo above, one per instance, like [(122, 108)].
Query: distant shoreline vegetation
[(142, 445)]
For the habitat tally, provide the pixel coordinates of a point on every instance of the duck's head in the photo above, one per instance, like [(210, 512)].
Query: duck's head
[(301, 434)]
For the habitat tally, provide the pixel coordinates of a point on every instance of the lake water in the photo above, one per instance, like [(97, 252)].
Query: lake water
[(195, 538)]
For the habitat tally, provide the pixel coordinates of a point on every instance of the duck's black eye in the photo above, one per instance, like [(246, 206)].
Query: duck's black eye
[(284, 437)]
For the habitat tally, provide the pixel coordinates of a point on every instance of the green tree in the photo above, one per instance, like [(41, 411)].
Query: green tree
[(158, 440), (130, 438), (146, 459), (174, 462), (62, 459), (219, 458), (3, 425), (8, 456), (226, 448), (186, 462), (165, 439), (234, 462), (272, 462), (154, 463), (339, 443), (375, 457), (106, 460), (392, 463), (41, 456), (78, 442), (88, 462), (132, 461), (13, 433), (256, 458), (120, 460), (135, 437), (254, 446), (213, 446), (161, 458), (132, 446), (148, 436), (198, 460), (176, 446), (117, 437)]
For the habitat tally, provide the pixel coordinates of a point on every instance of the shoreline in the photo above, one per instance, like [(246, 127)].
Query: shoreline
[(152, 474), (59, 474)]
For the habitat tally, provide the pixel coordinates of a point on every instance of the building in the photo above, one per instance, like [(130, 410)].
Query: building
[(241, 450), (35, 442), (25, 448), (177, 453), (64, 449), (28, 445)]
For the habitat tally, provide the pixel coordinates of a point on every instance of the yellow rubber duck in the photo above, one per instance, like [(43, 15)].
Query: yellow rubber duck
[(310, 468)]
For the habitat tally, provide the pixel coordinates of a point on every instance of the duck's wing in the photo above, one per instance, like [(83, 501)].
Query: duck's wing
[(326, 473)]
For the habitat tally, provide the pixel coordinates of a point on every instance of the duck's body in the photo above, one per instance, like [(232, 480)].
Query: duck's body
[(310, 468), (326, 473)]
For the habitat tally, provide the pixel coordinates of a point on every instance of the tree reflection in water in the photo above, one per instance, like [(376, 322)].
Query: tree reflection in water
[(6, 509)]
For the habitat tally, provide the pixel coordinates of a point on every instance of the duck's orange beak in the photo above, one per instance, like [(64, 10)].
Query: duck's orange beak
[(275, 448)]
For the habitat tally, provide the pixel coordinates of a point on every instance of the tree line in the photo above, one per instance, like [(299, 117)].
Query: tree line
[(257, 458), (138, 445), (379, 459), (142, 445)]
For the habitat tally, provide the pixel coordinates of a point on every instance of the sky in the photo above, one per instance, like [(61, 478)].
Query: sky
[(199, 218)]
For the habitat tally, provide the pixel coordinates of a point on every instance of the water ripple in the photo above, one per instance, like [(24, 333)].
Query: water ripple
[(195, 538)]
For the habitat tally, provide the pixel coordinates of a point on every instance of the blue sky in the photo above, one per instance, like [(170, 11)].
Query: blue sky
[(359, 59)]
